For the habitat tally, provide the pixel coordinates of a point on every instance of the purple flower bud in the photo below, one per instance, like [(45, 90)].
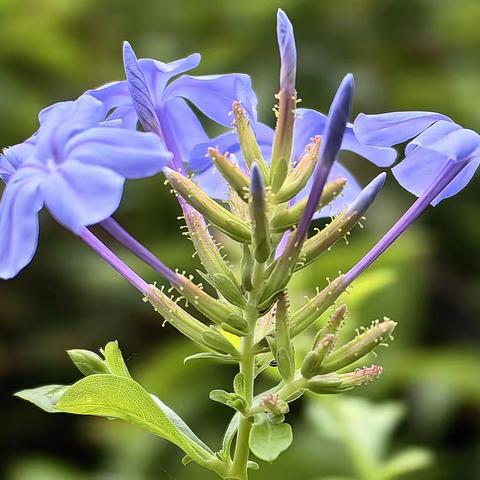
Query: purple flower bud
[(288, 52), (332, 141)]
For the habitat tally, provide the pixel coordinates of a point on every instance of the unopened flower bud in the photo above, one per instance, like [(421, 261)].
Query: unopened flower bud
[(301, 173), (309, 313), (314, 359), (231, 173), (338, 383), (218, 342), (334, 323), (259, 216), (89, 363), (359, 347), (176, 316), (198, 199), (341, 226), (228, 289), (289, 217), (247, 268), (248, 143)]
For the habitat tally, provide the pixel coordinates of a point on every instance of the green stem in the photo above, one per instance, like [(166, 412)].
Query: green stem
[(247, 367)]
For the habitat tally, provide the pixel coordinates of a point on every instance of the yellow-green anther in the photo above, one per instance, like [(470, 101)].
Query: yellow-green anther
[(89, 363), (228, 289), (177, 316), (309, 313), (231, 173), (359, 347), (224, 220), (338, 383), (248, 143), (218, 342), (341, 225), (300, 174), (292, 215), (208, 251), (247, 268), (284, 352), (215, 310), (261, 241), (314, 359)]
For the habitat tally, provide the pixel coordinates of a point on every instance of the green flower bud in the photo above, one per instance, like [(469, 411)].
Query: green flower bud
[(341, 225), (292, 215), (215, 310), (359, 347), (300, 175), (283, 350), (314, 359), (282, 143), (176, 316), (247, 268), (89, 363), (218, 342), (224, 220), (228, 289), (259, 216), (248, 143), (231, 172), (309, 313), (338, 383), (207, 249), (334, 323)]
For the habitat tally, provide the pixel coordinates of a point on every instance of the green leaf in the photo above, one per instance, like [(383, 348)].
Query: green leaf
[(267, 440), (114, 360), (45, 397), (123, 398)]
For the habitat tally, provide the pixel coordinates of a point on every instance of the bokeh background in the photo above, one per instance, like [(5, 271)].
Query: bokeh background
[(409, 54)]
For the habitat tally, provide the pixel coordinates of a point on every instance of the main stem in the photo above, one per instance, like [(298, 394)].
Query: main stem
[(247, 367)]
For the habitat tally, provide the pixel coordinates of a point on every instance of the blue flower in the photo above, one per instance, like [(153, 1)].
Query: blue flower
[(437, 140), (75, 165), (160, 104)]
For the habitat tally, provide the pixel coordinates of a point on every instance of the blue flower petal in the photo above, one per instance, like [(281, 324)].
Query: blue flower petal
[(310, 123), (428, 154), (13, 157), (21, 201), (130, 153), (214, 94), (184, 125), (78, 195), (113, 94), (387, 129), (63, 121)]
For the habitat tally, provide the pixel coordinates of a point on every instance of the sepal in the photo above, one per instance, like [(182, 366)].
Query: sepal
[(224, 220), (248, 143), (291, 216), (301, 173), (231, 173)]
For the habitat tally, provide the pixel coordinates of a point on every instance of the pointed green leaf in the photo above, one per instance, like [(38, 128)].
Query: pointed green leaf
[(45, 397), (120, 397), (114, 360)]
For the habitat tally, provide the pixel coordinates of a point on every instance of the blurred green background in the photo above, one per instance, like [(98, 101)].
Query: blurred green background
[(405, 54)]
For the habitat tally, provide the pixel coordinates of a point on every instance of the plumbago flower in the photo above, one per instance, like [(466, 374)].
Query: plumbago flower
[(75, 165), (277, 184)]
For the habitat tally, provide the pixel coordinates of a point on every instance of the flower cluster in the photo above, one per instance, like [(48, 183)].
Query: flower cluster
[(275, 182)]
